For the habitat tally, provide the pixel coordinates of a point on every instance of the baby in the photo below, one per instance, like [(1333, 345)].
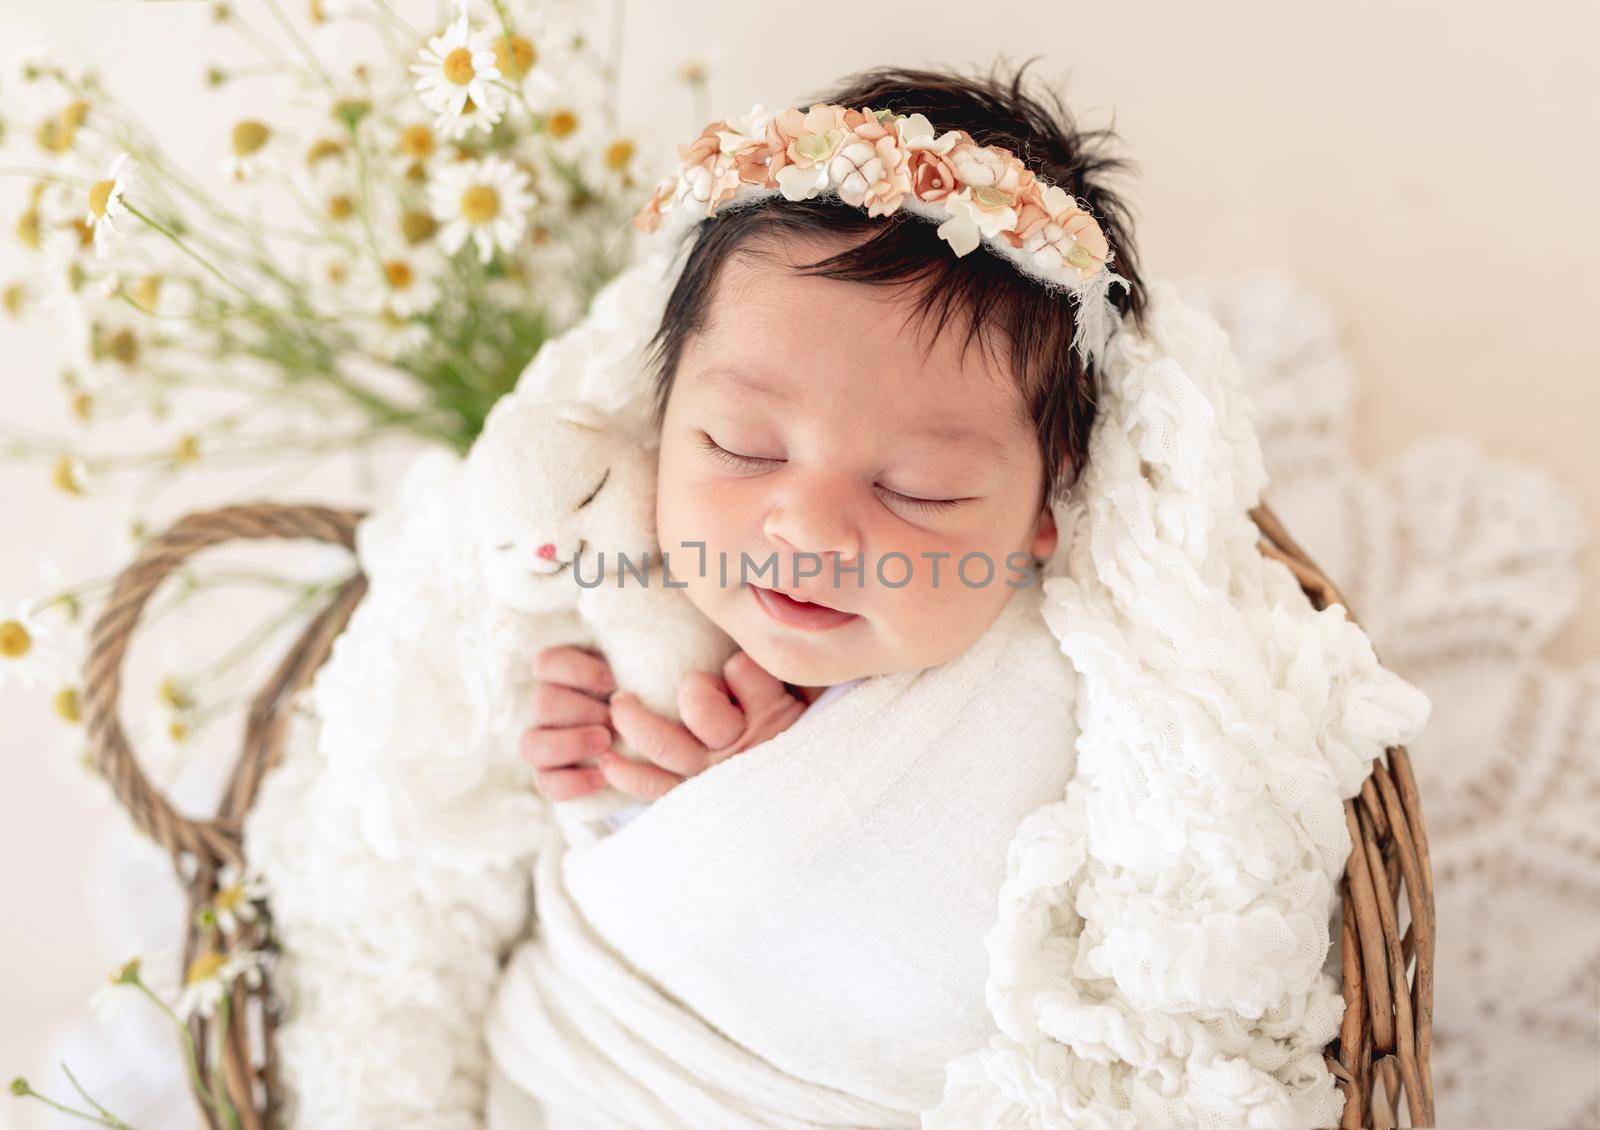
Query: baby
[(862, 435)]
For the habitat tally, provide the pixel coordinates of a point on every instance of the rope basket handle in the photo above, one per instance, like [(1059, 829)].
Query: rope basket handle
[(1385, 1032), (201, 847)]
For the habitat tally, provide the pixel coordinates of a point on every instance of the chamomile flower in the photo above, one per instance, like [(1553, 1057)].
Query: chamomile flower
[(238, 891), (540, 54), (211, 974), (458, 72), (403, 284), (252, 151), (487, 201), (106, 202), (33, 648)]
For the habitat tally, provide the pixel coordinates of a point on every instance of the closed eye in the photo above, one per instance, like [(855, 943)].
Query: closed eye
[(506, 546), (733, 458), (596, 490)]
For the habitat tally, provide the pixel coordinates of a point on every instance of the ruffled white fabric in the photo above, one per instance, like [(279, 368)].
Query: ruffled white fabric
[(1159, 956)]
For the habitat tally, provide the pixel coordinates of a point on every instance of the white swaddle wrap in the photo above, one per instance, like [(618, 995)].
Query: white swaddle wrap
[(795, 937)]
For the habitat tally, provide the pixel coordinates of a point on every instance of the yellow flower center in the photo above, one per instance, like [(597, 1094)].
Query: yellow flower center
[(146, 291), (618, 154), (15, 642), (1080, 256), (417, 226), (65, 476), (399, 273), (480, 204), (172, 693), (337, 273), (416, 141), (123, 346), (29, 231), (229, 898), (514, 55), (187, 449), (204, 967), (54, 135), (458, 66), (562, 122), (99, 195), (82, 405), (248, 137), (67, 705), (340, 207), (13, 297), (324, 148), (75, 113), (177, 730)]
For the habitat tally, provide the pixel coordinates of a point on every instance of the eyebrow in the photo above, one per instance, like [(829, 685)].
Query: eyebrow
[(943, 433)]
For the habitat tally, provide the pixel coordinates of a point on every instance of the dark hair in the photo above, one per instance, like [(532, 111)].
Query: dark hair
[(988, 291)]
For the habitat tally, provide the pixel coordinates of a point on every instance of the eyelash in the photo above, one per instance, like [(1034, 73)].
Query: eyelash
[(745, 462)]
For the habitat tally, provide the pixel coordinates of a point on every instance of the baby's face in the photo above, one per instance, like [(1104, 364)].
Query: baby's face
[(825, 387)]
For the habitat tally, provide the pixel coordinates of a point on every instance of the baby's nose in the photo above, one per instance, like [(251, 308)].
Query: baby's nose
[(546, 551)]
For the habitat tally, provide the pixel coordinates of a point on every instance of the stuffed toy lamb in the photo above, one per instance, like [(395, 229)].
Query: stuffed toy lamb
[(561, 503)]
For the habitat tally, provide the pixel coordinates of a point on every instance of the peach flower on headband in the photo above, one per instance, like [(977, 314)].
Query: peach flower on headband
[(878, 160)]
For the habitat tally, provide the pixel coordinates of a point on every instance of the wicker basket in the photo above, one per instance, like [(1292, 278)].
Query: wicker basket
[(1387, 979)]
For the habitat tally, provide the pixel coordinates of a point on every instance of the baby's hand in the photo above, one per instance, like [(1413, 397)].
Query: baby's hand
[(572, 722), (714, 727)]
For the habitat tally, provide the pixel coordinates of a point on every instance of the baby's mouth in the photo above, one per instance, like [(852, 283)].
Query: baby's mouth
[(562, 566), (797, 612)]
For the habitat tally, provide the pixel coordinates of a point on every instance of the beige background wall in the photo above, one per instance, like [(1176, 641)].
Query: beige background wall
[(1431, 168)]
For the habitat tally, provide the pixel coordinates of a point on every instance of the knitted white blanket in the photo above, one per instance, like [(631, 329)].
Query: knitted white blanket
[(1159, 952)]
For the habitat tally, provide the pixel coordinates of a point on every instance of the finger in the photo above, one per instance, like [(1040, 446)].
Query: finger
[(707, 710), (556, 705), (567, 784), (546, 748), (752, 685), (637, 778), (576, 667), (655, 738)]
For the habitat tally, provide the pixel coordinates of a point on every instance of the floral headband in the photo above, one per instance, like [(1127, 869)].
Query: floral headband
[(883, 161)]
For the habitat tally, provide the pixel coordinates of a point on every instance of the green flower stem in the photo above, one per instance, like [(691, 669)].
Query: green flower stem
[(265, 631), (304, 47), (85, 1115), (230, 1114), (186, 249), (110, 1119), (188, 1040)]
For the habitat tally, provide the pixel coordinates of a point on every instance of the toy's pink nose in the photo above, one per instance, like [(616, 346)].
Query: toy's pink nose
[(547, 550)]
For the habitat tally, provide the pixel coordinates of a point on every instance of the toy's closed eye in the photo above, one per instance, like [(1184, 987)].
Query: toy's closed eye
[(596, 490), (508, 545)]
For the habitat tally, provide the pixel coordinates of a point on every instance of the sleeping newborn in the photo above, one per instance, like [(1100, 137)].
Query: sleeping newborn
[(848, 485)]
